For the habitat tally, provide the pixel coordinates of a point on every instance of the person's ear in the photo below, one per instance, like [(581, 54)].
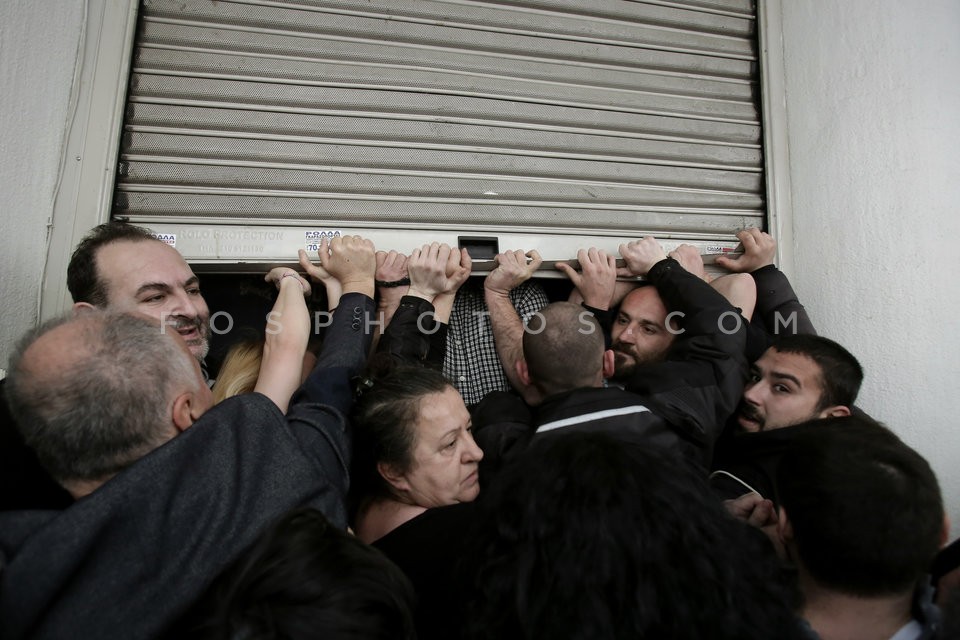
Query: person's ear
[(945, 532), (784, 528), (82, 307), (393, 476), (523, 372), (836, 411), (609, 363), (186, 410)]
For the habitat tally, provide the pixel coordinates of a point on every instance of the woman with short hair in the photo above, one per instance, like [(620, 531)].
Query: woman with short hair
[(414, 450)]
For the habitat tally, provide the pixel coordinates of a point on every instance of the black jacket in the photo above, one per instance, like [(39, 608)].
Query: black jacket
[(414, 334), (682, 402), (778, 312)]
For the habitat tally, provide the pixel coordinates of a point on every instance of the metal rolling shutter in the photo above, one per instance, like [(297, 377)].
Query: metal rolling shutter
[(253, 124)]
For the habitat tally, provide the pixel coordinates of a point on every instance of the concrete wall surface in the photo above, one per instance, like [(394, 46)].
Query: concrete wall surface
[(873, 110), (38, 52)]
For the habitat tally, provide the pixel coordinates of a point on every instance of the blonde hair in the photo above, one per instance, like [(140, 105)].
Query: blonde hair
[(240, 369)]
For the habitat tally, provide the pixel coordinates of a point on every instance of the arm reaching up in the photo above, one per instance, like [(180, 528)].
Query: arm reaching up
[(512, 270), (346, 343), (595, 286), (392, 282), (287, 334), (418, 332), (391, 273), (778, 310), (458, 269), (737, 288)]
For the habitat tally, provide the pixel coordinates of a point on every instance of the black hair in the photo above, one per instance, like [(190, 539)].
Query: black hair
[(865, 509), (840, 373), (305, 579), (563, 348), (384, 418), (587, 535), (83, 278)]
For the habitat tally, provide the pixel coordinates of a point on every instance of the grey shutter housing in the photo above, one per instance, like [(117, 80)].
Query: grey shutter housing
[(253, 124)]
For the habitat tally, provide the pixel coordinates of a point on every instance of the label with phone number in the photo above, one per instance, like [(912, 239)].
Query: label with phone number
[(313, 238)]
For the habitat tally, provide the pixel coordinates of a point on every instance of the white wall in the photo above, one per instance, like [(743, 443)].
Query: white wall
[(38, 53), (873, 112)]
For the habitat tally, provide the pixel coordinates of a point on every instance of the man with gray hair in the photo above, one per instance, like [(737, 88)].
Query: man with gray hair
[(115, 267), (172, 490), (76, 387)]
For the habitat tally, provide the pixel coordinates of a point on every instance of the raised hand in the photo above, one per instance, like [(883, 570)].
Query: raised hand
[(512, 270), (277, 275), (459, 266), (690, 259), (640, 256), (759, 249), (391, 266), (597, 279), (351, 260), (321, 275), (435, 269)]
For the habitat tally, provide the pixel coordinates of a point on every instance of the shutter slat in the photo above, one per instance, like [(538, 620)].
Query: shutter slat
[(341, 157), (483, 25), (468, 138), (636, 99), (276, 177), (265, 96)]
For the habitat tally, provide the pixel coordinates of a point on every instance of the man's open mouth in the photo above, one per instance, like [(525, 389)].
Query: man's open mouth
[(749, 418)]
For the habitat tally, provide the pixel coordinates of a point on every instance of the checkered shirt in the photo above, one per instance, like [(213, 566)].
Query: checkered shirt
[(471, 362)]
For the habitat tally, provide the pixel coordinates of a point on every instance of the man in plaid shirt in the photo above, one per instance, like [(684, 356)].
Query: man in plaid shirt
[(472, 363)]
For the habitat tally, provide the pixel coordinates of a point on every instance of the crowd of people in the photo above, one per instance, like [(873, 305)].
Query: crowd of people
[(661, 454)]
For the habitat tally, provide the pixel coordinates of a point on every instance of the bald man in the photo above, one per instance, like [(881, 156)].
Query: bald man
[(680, 402)]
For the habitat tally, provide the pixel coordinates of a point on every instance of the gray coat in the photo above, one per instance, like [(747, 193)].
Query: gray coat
[(128, 560)]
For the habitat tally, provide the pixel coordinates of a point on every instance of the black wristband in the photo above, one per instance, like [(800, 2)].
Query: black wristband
[(402, 282)]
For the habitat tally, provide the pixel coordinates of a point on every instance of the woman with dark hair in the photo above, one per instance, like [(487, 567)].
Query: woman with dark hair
[(413, 447), (413, 450), (588, 535)]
